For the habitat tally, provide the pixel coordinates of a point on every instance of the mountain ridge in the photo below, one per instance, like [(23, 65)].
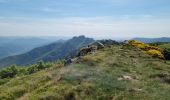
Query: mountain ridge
[(152, 40), (50, 52), (10, 46)]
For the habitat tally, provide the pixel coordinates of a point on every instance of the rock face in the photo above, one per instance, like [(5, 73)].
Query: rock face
[(108, 42), (100, 44), (67, 62), (86, 50)]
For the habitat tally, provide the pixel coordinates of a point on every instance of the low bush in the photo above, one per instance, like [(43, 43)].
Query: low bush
[(155, 53), (32, 69), (9, 72), (167, 54), (40, 65), (14, 70), (151, 50)]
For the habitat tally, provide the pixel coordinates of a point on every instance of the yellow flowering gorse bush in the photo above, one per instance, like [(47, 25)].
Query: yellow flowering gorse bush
[(151, 50)]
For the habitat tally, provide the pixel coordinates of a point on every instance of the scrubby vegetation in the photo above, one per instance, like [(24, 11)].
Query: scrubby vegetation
[(113, 73), (151, 50), (167, 53), (166, 48), (155, 53), (12, 71)]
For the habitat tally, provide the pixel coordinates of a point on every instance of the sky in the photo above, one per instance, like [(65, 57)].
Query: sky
[(93, 18)]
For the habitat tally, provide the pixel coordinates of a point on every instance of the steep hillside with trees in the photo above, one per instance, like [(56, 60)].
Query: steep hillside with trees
[(51, 52), (10, 46)]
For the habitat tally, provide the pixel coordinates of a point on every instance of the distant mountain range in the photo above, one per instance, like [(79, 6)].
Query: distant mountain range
[(151, 40), (10, 46), (51, 52)]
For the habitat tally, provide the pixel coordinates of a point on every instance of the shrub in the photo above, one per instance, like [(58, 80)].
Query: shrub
[(151, 50), (147, 47), (144, 46), (137, 44), (59, 63), (40, 65), (9, 72), (32, 69), (134, 42), (14, 70), (22, 71), (47, 65), (167, 54), (155, 53)]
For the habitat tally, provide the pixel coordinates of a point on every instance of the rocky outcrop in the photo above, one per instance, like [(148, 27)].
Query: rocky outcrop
[(100, 44), (108, 42), (86, 50)]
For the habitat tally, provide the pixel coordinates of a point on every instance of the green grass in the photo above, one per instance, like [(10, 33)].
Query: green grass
[(167, 45), (96, 77)]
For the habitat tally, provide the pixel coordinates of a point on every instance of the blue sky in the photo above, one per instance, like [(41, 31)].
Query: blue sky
[(95, 18)]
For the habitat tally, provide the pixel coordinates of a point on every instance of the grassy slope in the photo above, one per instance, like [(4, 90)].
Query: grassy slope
[(97, 76), (167, 45)]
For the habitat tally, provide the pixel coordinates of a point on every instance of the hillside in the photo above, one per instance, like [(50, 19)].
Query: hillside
[(10, 46), (51, 52), (113, 73), (166, 45), (152, 40)]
